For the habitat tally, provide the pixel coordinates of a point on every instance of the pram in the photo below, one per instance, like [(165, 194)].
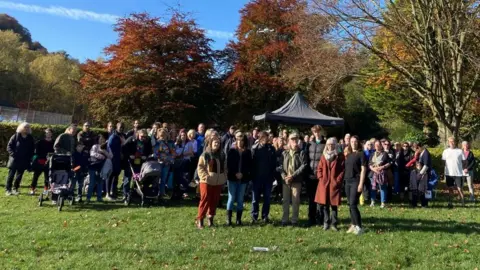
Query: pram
[(60, 166), (146, 184)]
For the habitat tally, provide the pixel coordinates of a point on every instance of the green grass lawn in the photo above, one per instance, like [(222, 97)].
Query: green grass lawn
[(112, 236)]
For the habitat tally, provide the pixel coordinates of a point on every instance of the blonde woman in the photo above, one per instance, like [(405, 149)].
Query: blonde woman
[(20, 150)]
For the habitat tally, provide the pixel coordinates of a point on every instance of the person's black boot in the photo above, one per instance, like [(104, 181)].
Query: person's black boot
[(239, 218), (210, 221), (229, 217)]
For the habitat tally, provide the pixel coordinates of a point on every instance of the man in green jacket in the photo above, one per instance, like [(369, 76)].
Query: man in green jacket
[(292, 168)]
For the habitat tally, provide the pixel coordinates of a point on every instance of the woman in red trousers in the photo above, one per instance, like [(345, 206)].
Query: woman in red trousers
[(330, 172), (213, 176)]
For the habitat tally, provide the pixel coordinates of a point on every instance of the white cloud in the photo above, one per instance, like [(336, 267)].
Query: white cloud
[(76, 14), (79, 14)]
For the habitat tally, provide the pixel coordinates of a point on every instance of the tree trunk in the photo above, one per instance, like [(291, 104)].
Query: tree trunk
[(444, 132)]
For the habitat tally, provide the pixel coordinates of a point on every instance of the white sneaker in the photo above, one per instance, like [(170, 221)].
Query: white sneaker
[(54, 202), (108, 198), (32, 192), (372, 204), (8, 193), (15, 192), (351, 229), (358, 231), (382, 206)]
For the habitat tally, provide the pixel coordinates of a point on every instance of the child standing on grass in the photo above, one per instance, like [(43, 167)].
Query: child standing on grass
[(418, 185)]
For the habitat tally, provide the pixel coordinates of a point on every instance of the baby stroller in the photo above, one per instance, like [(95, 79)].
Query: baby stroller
[(60, 166), (146, 183)]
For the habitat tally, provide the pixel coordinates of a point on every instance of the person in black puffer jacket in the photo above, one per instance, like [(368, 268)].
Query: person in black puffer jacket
[(20, 150), (263, 173), (315, 152), (40, 163)]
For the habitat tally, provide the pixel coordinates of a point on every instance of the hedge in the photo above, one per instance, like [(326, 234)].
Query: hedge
[(38, 131), (8, 129)]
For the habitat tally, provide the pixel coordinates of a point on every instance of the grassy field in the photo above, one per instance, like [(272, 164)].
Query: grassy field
[(112, 236)]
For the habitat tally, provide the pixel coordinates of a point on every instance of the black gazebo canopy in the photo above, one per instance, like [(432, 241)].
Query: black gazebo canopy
[(297, 111)]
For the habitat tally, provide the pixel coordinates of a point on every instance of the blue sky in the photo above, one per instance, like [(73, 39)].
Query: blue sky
[(84, 27)]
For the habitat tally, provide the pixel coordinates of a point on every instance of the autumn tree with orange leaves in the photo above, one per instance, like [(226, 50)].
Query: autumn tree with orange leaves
[(157, 71), (264, 41)]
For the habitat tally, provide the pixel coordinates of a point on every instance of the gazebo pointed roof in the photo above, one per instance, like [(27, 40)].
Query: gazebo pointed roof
[(297, 111)]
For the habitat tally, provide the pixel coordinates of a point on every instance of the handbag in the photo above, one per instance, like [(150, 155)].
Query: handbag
[(428, 194)]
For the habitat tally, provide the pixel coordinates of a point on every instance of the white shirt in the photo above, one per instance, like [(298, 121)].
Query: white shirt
[(453, 162)]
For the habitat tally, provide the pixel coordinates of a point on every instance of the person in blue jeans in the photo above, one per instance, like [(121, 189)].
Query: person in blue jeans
[(98, 154), (239, 165), (263, 174), (378, 164), (164, 153)]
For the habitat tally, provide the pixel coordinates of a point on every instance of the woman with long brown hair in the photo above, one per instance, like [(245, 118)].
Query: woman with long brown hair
[(239, 165), (354, 176), (213, 175)]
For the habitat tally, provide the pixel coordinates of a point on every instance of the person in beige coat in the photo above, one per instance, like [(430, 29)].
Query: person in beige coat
[(213, 176)]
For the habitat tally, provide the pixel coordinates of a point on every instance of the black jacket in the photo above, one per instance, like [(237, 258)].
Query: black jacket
[(227, 141), (130, 147), (234, 165), (399, 161), (86, 138), (43, 148), (20, 151), (264, 163), (315, 152), (470, 162)]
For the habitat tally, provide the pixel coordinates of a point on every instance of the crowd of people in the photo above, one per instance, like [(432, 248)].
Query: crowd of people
[(245, 163)]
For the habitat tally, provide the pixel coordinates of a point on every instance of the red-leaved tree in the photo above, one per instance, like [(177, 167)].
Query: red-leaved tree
[(264, 41), (157, 71)]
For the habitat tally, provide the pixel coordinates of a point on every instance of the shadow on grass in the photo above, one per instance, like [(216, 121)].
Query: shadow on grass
[(381, 225)]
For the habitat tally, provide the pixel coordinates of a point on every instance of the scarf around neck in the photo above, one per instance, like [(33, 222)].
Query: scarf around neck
[(330, 155)]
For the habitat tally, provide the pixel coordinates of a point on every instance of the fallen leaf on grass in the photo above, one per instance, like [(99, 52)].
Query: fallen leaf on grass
[(299, 240), (195, 258), (315, 262), (115, 225), (65, 224), (466, 251), (435, 244), (466, 241), (329, 266)]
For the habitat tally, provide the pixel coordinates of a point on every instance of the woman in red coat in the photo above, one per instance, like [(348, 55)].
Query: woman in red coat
[(330, 172)]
